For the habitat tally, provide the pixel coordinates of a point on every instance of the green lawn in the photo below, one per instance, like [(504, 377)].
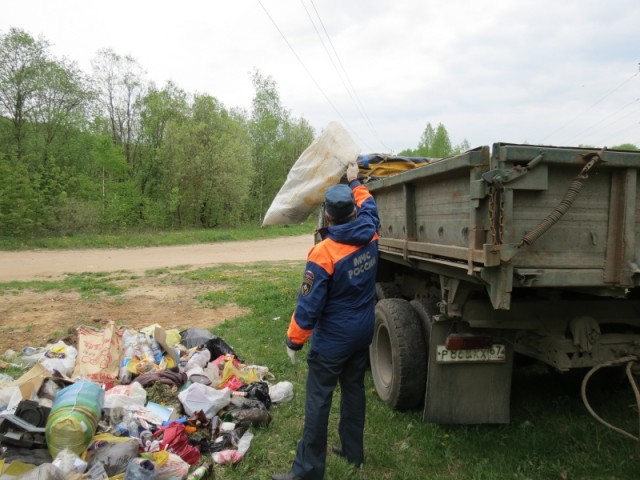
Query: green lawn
[(158, 238), (551, 434)]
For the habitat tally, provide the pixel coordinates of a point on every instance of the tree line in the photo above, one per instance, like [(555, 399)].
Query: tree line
[(111, 150)]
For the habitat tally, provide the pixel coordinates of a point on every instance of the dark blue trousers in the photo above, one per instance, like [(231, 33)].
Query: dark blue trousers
[(324, 374)]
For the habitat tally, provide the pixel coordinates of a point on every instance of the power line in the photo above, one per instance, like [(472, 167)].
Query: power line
[(353, 94), (604, 119), (309, 73), (589, 108), (635, 125)]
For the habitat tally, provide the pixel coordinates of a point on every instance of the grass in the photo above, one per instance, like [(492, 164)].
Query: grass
[(88, 284), (551, 434), (156, 238)]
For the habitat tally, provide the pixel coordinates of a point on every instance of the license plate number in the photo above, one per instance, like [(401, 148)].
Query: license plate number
[(496, 353)]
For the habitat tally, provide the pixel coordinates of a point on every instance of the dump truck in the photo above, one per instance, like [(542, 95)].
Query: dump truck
[(511, 250)]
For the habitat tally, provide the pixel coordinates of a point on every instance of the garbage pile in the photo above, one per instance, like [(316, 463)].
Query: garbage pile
[(124, 404)]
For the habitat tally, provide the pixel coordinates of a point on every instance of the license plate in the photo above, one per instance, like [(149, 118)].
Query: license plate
[(496, 353)]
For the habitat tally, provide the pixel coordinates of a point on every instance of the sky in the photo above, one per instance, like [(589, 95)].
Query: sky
[(559, 72)]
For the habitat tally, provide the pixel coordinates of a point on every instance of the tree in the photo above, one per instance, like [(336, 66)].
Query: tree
[(159, 108), (441, 146), (21, 61), (277, 141), (209, 158), (60, 102), (121, 86), (626, 146), (426, 142), (18, 200), (462, 147), (435, 144)]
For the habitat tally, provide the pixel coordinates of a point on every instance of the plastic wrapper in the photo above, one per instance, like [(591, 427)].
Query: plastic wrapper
[(234, 456), (114, 454), (46, 471), (69, 462), (172, 468)]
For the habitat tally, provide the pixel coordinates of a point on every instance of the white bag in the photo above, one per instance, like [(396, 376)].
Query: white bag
[(59, 356), (281, 392), (199, 397), (125, 396), (320, 166)]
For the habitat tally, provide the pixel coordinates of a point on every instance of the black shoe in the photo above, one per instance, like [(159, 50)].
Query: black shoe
[(285, 476), (337, 450)]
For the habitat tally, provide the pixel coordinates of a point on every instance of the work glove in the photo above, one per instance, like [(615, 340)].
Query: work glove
[(352, 171), (292, 354)]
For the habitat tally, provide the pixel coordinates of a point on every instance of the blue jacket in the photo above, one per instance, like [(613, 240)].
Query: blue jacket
[(337, 298)]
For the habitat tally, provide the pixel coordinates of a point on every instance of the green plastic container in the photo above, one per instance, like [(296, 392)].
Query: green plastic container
[(74, 417)]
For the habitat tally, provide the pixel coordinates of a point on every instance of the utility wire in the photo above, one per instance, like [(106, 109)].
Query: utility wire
[(351, 91), (603, 119), (310, 74), (624, 129), (589, 108)]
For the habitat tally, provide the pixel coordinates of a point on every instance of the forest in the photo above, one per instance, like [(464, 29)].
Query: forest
[(112, 151)]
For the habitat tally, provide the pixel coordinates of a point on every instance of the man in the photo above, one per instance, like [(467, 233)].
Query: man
[(336, 306)]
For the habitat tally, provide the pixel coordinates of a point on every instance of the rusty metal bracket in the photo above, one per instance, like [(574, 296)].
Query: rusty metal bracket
[(506, 175)]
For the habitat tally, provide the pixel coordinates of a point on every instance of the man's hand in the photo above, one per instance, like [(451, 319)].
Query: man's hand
[(352, 171), (292, 355)]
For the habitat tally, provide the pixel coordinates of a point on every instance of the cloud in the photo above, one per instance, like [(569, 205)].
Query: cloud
[(531, 70)]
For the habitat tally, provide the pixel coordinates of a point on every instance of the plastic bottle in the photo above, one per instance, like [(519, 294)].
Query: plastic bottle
[(128, 349), (215, 427), (155, 348), (143, 349), (200, 472), (119, 430)]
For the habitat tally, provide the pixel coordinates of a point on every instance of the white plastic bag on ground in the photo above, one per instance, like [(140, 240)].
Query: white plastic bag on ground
[(202, 397), (281, 392), (321, 165), (125, 396), (59, 356)]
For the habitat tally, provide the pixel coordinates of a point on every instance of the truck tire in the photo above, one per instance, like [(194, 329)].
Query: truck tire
[(398, 355), (387, 290)]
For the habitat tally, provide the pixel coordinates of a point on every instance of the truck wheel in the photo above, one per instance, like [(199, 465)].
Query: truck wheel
[(387, 290), (398, 354)]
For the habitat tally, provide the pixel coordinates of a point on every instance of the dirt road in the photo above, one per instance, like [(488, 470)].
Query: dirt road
[(50, 264), (35, 318)]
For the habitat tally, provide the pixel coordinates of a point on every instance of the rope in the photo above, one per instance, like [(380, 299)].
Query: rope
[(629, 360)]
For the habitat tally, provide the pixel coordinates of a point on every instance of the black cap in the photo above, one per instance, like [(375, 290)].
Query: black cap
[(339, 202)]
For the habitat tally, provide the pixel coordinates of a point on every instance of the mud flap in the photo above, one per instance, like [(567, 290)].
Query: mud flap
[(466, 393)]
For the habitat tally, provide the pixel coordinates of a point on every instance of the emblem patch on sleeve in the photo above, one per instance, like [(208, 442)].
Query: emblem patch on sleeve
[(307, 282)]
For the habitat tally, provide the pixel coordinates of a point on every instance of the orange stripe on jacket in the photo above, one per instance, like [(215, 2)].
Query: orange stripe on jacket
[(326, 257), (296, 334), (360, 194)]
